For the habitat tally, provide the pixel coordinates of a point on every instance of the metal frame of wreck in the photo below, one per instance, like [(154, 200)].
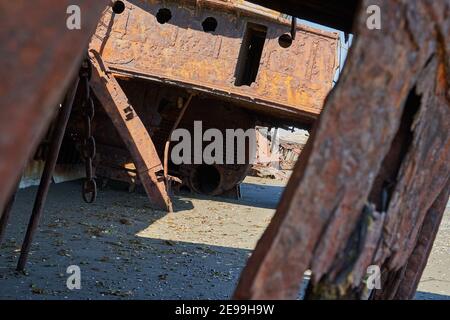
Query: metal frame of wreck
[(374, 176)]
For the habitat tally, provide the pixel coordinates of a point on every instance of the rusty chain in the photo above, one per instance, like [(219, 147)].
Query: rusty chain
[(89, 188)]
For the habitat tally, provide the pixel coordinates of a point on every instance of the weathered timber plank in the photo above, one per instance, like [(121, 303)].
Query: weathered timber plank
[(37, 65), (423, 175), (132, 131), (324, 200), (419, 258), (404, 287)]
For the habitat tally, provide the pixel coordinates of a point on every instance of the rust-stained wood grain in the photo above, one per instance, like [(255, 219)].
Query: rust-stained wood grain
[(403, 284), (39, 57), (132, 131), (334, 201), (414, 172)]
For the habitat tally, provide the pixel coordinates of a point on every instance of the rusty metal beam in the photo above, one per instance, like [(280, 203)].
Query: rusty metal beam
[(132, 131), (37, 65), (334, 202), (334, 14)]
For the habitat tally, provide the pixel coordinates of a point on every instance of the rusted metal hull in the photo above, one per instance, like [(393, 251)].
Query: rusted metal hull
[(291, 83), (169, 62), (159, 125)]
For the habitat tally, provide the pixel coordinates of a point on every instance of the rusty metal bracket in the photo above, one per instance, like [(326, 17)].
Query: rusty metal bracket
[(293, 27)]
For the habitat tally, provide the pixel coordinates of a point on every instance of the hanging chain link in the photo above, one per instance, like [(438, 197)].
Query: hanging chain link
[(89, 189)]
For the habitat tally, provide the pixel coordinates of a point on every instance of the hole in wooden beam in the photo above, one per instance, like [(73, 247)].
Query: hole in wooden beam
[(387, 177)]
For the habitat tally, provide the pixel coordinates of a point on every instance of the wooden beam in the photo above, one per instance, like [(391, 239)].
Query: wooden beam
[(334, 202), (402, 284)]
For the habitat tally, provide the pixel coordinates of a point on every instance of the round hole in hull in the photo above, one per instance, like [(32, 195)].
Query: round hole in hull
[(209, 24), (285, 40)]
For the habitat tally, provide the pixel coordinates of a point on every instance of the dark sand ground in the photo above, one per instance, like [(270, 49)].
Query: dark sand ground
[(126, 250)]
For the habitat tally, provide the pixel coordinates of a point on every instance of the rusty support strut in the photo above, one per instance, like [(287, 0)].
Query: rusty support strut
[(132, 131), (167, 144), (50, 163)]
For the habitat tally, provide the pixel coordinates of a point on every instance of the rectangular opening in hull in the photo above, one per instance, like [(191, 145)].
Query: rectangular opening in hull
[(250, 54)]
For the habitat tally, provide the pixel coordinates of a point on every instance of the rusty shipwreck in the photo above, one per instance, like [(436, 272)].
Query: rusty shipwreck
[(167, 64), (369, 188)]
